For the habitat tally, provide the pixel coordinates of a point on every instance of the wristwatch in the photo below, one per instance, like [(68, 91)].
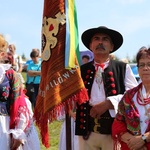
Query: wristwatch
[(144, 138)]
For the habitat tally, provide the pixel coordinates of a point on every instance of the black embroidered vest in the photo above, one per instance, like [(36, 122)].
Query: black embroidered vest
[(113, 79)]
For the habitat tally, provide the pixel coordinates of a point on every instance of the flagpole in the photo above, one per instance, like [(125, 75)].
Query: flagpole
[(68, 132)]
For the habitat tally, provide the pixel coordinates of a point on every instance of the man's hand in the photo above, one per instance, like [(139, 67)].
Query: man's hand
[(98, 109)]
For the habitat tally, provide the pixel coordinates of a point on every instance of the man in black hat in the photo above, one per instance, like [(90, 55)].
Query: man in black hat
[(106, 81)]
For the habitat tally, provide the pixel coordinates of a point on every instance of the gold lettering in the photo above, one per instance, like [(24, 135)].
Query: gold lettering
[(60, 80), (55, 82), (47, 87), (72, 71), (51, 84), (66, 75)]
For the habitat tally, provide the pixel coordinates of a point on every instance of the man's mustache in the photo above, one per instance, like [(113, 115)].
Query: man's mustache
[(100, 46)]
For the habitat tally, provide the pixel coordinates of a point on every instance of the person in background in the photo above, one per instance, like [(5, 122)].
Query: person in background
[(112, 56), (34, 74), (36, 49), (125, 60), (74, 138), (131, 127), (85, 59), (9, 59), (30, 61), (17, 64), (16, 122), (106, 81)]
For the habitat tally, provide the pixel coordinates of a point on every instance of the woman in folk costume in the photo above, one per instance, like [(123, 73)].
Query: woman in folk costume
[(131, 128), (17, 131)]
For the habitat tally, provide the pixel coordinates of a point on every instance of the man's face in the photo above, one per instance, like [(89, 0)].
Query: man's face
[(101, 44)]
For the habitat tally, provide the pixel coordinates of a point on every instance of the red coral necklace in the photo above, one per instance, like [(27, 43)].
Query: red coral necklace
[(141, 100)]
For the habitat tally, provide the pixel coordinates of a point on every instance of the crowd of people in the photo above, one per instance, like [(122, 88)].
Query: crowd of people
[(116, 116), (106, 83)]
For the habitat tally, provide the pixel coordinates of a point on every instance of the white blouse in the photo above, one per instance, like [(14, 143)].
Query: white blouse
[(144, 120)]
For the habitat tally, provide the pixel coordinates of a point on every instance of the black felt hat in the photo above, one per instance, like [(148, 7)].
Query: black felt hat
[(115, 36)]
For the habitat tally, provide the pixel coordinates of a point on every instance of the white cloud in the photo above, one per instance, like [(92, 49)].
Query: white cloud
[(8, 37)]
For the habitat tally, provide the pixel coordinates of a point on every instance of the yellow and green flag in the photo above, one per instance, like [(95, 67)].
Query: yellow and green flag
[(72, 42)]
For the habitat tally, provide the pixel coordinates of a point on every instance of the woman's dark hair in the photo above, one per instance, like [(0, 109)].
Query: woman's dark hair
[(143, 53)]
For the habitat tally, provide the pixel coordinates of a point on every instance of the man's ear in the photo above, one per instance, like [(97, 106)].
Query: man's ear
[(90, 46), (112, 48)]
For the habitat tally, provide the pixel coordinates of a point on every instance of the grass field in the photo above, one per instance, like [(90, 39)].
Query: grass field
[(54, 131)]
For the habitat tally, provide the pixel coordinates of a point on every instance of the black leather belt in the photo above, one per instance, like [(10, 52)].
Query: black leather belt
[(102, 125), (3, 109)]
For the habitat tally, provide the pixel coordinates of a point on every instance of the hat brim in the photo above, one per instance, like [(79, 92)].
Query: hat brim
[(115, 36)]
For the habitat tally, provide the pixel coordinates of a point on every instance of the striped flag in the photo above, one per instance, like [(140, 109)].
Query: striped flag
[(72, 42), (61, 84)]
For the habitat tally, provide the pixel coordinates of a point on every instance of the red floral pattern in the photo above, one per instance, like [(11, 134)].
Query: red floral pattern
[(128, 113)]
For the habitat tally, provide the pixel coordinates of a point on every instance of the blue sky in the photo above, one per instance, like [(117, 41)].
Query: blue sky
[(21, 22)]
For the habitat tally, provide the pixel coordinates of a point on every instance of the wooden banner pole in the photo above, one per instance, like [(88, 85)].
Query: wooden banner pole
[(68, 132)]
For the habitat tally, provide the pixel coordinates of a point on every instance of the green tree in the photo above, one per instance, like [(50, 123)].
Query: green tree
[(23, 56), (134, 59)]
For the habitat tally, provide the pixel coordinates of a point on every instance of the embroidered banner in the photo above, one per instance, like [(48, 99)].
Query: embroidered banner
[(61, 84)]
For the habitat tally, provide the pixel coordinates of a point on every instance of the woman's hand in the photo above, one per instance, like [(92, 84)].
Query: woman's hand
[(15, 143), (136, 143), (143, 148), (72, 114), (133, 142)]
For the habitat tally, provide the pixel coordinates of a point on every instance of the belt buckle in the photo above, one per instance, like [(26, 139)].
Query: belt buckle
[(96, 126)]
